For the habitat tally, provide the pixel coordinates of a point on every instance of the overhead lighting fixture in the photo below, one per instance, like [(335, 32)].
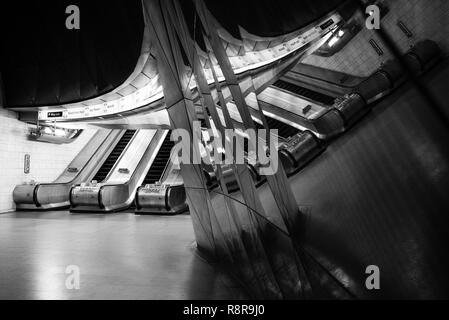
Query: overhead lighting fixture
[(48, 130)]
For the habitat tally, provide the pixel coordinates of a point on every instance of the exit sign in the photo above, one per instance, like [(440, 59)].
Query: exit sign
[(26, 163), (54, 114)]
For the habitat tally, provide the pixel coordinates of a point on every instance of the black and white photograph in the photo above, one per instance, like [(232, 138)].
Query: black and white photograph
[(224, 156)]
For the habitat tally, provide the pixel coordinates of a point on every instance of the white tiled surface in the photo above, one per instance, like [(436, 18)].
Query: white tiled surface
[(427, 19), (47, 160), (131, 158)]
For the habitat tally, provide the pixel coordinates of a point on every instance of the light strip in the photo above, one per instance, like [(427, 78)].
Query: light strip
[(153, 91)]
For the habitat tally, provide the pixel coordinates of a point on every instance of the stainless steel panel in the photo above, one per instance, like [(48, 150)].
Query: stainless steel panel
[(110, 197), (161, 199), (44, 196)]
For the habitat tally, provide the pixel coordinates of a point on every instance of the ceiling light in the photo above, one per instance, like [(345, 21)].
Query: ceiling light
[(48, 130)]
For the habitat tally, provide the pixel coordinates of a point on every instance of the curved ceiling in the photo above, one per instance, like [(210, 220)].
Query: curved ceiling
[(269, 18), (44, 64)]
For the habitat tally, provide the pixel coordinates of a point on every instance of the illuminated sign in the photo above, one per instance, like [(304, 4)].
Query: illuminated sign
[(54, 114), (26, 164), (327, 24)]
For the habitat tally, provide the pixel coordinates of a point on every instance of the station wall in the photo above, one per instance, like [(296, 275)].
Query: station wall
[(47, 160), (426, 19)]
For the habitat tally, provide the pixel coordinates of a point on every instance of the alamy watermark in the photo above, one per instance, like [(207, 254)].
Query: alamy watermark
[(238, 147), (373, 21), (73, 20), (372, 282), (72, 282)]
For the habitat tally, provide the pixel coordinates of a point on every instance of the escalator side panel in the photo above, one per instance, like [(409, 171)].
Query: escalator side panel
[(159, 198), (304, 92), (117, 192), (44, 196)]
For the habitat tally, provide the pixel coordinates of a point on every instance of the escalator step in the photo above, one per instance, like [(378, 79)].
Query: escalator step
[(114, 155), (160, 162), (284, 130), (305, 92)]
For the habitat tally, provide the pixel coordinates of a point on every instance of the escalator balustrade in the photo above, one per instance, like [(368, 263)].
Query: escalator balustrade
[(154, 197), (284, 130), (304, 92)]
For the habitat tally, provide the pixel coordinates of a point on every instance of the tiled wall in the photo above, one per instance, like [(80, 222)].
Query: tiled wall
[(427, 19), (47, 160)]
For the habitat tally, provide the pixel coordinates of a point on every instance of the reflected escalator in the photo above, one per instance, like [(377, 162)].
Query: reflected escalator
[(284, 130), (297, 148), (304, 92), (286, 133)]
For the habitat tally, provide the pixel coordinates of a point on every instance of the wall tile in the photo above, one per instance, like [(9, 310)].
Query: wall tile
[(47, 160), (427, 19)]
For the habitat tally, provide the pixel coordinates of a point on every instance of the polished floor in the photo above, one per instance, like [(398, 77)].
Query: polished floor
[(119, 256)]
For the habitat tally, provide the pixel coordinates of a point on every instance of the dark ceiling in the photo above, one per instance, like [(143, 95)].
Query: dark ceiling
[(269, 18), (43, 63)]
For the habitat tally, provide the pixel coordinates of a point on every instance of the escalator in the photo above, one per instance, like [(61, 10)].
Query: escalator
[(304, 92), (160, 162), (372, 197), (114, 155), (296, 147), (118, 189), (160, 194), (45, 196), (298, 112), (329, 82), (284, 130)]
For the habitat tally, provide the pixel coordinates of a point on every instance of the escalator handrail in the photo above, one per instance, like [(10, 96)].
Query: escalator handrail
[(132, 177), (324, 105), (37, 186), (324, 80), (309, 121), (79, 171)]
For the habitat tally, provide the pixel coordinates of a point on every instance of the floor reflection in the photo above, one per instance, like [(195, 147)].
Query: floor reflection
[(120, 256)]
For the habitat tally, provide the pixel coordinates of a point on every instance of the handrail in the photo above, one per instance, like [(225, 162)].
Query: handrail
[(137, 172), (300, 127), (134, 172), (84, 166), (324, 80)]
